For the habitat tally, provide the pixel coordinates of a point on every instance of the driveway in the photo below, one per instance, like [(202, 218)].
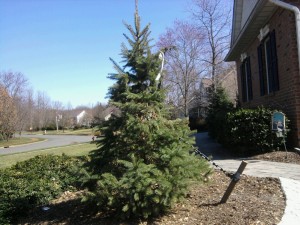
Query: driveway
[(50, 142)]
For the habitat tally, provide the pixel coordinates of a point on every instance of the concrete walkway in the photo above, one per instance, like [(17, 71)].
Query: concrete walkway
[(289, 174)]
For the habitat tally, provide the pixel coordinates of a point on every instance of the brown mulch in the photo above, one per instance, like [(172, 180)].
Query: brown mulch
[(280, 156), (253, 201)]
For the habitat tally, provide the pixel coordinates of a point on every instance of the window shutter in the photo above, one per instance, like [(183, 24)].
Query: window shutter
[(249, 79), (243, 82), (274, 62), (268, 56), (260, 70)]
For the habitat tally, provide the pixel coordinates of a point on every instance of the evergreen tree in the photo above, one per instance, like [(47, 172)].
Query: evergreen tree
[(219, 106), (144, 162)]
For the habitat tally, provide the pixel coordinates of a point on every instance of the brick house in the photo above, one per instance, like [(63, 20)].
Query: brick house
[(265, 46)]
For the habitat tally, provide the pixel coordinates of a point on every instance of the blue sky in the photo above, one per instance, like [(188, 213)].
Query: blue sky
[(63, 46)]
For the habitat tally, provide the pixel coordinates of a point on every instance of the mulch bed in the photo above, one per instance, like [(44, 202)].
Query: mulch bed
[(280, 156), (253, 201)]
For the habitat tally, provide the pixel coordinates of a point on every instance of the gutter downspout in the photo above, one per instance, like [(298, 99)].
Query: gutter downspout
[(297, 19)]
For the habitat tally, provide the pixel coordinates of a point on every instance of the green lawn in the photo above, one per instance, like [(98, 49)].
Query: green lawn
[(72, 150), (19, 141)]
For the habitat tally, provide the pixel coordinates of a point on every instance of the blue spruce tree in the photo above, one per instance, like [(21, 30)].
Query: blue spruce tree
[(144, 162)]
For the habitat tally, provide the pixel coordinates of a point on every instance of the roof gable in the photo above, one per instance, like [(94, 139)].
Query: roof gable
[(242, 11), (249, 16), (247, 8)]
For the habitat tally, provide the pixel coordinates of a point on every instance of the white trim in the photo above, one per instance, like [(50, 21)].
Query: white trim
[(267, 64), (263, 32), (243, 56)]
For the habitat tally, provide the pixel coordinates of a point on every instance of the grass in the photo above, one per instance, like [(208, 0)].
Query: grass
[(19, 141), (71, 150)]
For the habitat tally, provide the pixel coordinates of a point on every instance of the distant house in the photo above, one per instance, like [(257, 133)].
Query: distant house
[(198, 112), (227, 80), (107, 113), (265, 46), (82, 118), (199, 108)]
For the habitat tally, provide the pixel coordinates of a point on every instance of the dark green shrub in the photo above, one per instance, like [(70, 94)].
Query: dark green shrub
[(35, 182), (249, 131), (216, 119), (49, 127), (244, 131), (198, 124), (76, 127)]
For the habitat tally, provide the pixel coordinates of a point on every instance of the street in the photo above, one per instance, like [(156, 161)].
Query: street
[(50, 142)]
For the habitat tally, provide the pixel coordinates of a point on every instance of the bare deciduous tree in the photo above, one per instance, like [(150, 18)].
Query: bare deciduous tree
[(214, 18), (42, 110), (56, 115), (67, 118), (183, 65), (98, 113), (8, 114), (16, 84), (29, 108)]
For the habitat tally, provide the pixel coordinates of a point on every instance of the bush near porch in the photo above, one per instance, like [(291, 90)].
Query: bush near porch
[(248, 131)]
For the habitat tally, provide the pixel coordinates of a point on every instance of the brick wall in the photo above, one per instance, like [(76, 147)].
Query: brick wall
[(288, 97)]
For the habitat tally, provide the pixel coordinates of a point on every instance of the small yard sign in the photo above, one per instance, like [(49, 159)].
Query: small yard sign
[(278, 121)]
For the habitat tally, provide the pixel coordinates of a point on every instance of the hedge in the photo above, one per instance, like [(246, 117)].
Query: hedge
[(35, 182), (248, 131)]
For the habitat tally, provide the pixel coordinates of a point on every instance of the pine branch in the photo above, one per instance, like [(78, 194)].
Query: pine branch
[(116, 66)]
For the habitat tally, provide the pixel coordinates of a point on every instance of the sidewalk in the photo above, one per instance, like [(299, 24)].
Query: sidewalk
[(289, 174), (255, 168)]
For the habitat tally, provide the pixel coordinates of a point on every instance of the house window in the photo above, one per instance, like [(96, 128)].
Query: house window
[(267, 63), (246, 80)]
